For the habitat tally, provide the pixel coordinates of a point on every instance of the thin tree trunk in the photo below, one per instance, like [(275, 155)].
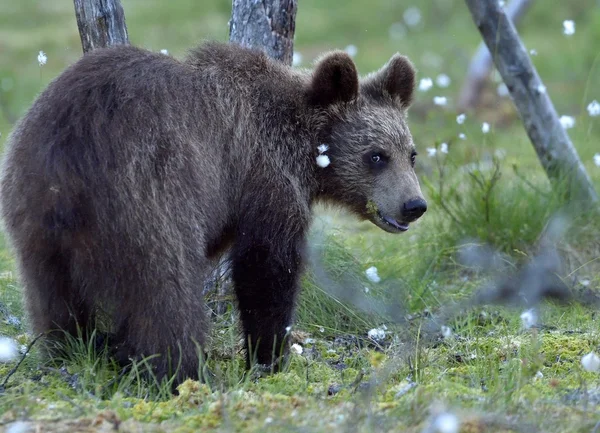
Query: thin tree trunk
[(550, 140), (481, 64), (265, 24), (101, 23)]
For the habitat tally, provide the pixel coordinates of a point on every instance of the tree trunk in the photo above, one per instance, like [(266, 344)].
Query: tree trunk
[(101, 23), (482, 63), (550, 140), (265, 24)]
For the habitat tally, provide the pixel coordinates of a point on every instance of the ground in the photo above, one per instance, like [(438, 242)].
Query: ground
[(486, 367)]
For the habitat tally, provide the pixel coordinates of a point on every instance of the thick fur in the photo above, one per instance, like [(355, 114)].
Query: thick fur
[(133, 171)]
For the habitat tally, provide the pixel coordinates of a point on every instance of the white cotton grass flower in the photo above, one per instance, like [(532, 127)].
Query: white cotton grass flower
[(446, 423), (533, 52), (597, 159), (462, 136), (444, 147), (9, 349), (569, 27), (443, 81), (296, 59), (351, 50), (446, 331), (376, 334), (591, 362), (567, 122), (323, 161), (460, 119), (593, 108), (539, 375), (502, 90), (397, 31), (367, 290), (485, 127), (268, 420), (322, 148), (42, 58), (372, 274), (164, 51), (440, 100), (412, 16), (297, 349), (528, 318), (431, 151), (425, 84)]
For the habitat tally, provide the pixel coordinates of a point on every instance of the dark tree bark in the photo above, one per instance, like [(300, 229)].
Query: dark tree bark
[(481, 64), (265, 24), (550, 140), (101, 23)]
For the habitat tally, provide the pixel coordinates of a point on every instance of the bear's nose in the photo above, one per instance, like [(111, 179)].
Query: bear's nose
[(413, 209)]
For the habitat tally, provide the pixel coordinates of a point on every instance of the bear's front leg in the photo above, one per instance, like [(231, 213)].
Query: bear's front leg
[(267, 262)]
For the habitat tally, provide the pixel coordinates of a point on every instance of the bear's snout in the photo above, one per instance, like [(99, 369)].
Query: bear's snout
[(413, 209)]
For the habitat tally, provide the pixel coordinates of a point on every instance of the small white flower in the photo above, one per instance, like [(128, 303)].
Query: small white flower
[(431, 151), (321, 329), (397, 31), (372, 274), (367, 290), (541, 88), (297, 349), (568, 27), (446, 423), (376, 334), (288, 328), (591, 362), (528, 318), (567, 122), (351, 50), (444, 147), (533, 52), (485, 127), (164, 51), (593, 108), (296, 58), (440, 100), (597, 159), (8, 349), (268, 420), (412, 16), (460, 119), (425, 84), (539, 375), (446, 332), (322, 148), (323, 161), (42, 58), (443, 81), (585, 282), (502, 90), (462, 136)]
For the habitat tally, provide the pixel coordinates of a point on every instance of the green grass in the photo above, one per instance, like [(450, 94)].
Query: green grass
[(493, 374)]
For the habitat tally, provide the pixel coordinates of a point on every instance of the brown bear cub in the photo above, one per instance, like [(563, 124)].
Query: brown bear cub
[(133, 172)]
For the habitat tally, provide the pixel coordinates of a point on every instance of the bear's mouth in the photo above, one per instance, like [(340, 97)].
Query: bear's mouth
[(391, 223)]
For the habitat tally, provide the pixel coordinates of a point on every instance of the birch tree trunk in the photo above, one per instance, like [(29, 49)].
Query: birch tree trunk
[(265, 24), (481, 64), (550, 140), (101, 23)]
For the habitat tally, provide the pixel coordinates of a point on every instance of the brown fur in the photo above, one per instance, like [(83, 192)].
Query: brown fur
[(133, 171)]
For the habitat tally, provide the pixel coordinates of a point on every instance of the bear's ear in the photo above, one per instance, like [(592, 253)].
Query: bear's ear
[(396, 80), (334, 80)]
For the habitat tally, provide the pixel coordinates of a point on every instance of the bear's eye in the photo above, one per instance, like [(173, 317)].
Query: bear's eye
[(413, 158), (376, 158)]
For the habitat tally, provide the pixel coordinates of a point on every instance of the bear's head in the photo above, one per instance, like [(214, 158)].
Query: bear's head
[(370, 155)]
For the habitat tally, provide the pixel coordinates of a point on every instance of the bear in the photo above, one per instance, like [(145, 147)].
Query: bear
[(133, 171)]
